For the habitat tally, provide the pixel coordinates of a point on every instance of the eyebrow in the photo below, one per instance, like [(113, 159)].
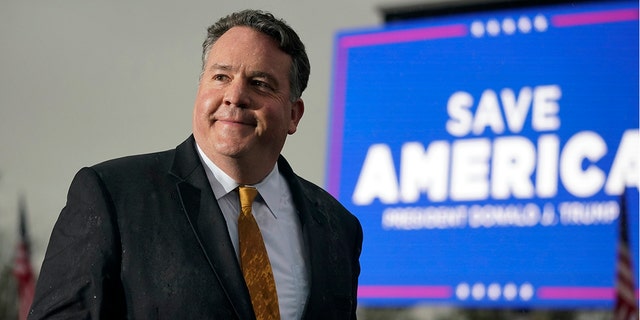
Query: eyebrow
[(217, 66)]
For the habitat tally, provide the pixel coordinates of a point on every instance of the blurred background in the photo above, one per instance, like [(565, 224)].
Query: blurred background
[(86, 81)]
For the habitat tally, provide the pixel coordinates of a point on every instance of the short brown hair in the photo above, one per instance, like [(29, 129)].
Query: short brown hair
[(287, 39)]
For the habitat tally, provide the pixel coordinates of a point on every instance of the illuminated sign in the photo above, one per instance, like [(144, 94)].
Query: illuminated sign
[(485, 154)]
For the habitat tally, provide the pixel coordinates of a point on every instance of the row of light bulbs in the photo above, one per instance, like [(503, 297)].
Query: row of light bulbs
[(494, 291), (509, 26)]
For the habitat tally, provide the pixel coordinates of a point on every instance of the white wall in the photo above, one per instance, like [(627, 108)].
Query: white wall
[(85, 81)]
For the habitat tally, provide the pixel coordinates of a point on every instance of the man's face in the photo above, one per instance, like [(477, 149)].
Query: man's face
[(242, 108)]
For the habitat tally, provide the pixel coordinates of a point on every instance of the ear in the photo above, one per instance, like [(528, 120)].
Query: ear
[(297, 110)]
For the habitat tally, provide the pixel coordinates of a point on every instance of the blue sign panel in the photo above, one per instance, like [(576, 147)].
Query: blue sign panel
[(486, 154)]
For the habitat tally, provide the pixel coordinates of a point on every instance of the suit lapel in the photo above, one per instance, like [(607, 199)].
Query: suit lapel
[(209, 226), (316, 239)]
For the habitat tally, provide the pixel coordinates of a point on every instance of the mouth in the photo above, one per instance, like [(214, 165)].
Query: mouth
[(235, 122)]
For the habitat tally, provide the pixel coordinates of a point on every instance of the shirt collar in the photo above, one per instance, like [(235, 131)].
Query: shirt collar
[(269, 188)]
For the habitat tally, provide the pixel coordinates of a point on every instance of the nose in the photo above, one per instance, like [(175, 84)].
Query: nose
[(236, 94)]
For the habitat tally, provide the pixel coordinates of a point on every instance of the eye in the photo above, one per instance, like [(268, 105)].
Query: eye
[(219, 77), (263, 85)]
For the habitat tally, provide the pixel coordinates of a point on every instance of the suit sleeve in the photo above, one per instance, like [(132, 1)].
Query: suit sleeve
[(357, 249), (80, 275)]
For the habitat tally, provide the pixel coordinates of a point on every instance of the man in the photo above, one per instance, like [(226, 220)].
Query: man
[(157, 236)]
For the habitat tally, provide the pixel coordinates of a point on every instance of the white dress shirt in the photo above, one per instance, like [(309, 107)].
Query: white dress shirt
[(279, 224)]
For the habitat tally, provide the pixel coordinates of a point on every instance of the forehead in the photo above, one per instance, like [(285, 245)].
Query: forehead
[(244, 47)]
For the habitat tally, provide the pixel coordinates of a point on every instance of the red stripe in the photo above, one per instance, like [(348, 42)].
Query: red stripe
[(430, 33), (390, 292), (578, 19), (575, 293)]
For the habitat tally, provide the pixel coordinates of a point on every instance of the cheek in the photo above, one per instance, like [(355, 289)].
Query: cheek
[(205, 104), (203, 109), (284, 123)]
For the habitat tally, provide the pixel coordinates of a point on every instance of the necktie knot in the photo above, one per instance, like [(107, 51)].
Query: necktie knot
[(247, 195)]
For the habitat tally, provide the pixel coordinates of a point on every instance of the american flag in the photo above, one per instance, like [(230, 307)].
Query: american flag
[(22, 265), (626, 307)]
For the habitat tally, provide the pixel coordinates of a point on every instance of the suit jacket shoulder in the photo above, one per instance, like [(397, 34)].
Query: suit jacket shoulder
[(133, 241)]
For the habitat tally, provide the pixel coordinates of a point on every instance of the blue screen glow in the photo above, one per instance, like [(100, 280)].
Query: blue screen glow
[(486, 154)]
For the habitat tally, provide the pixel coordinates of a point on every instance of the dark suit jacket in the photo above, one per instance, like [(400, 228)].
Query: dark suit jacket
[(143, 237)]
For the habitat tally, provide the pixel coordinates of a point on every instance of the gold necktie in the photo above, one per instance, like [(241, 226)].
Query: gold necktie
[(254, 260)]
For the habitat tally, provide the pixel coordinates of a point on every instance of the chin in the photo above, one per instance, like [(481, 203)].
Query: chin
[(229, 149)]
